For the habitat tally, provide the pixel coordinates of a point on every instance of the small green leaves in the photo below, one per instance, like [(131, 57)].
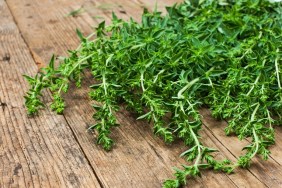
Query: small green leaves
[(52, 61), (79, 34), (32, 97), (29, 79), (105, 141), (172, 184), (76, 12), (222, 54), (101, 29), (32, 104), (244, 161), (58, 104)]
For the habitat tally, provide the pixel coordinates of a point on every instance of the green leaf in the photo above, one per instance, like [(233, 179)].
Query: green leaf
[(79, 34), (52, 61), (76, 12)]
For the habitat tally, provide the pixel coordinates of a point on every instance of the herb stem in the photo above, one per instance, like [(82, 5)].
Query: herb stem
[(256, 81), (196, 140), (256, 143), (254, 112), (269, 118), (142, 81), (277, 71), (187, 86), (79, 62), (88, 37), (104, 83), (253, 86)]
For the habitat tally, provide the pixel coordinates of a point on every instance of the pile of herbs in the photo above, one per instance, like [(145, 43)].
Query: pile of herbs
[(225, 55)]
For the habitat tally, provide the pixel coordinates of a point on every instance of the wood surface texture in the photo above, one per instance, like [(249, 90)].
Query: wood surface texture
[(52, 150)]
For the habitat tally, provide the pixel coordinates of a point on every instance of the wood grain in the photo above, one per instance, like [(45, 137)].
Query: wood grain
[(139, 159), (34, 152)]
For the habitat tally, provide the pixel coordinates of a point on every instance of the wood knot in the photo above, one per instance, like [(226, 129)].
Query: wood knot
[(17, 168), (122, 11), (6, 57), (3, 104)]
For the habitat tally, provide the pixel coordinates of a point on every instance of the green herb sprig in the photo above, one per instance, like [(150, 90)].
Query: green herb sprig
[(222, 54)]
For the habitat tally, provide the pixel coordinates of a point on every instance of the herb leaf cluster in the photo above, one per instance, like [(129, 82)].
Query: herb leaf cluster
[(225, 55)]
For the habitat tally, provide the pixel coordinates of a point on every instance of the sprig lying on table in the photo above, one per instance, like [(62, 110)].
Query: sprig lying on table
[(222, 54)]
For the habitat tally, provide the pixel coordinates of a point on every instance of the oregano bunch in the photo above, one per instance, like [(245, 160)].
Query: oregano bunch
[(221, 54)]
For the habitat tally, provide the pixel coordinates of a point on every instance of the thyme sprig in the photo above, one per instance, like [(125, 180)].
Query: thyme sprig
[(222, 54)]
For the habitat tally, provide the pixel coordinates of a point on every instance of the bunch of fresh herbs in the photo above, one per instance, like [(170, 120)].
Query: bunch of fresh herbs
[(225, 55)]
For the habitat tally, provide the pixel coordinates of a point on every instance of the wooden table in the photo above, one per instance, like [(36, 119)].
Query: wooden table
[(52, 150)]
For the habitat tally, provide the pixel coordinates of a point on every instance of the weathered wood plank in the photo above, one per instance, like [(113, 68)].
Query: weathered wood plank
[(276, 150), (34, 152), (137, 153), (40, 22)]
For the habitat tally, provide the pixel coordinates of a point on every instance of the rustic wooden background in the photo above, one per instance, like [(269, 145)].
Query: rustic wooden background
[(54, 150)]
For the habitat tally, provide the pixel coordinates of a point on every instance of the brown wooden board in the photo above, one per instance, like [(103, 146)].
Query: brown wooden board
[(139, 159), (276, 150), (34, 152)]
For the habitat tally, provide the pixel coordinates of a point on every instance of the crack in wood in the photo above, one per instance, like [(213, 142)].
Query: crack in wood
[(156, 152), (82, 150)]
